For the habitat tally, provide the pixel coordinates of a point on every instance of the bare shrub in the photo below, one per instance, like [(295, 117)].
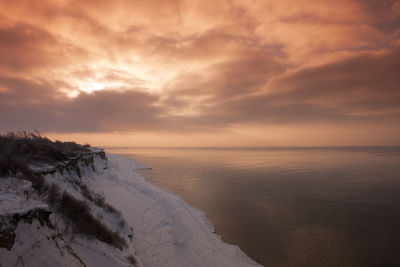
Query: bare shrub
[(19, 149), (132, 260), (32, 147), (86, 192), (78, 213), (99, 215), (100, 202), (53, 195), (122, 223)]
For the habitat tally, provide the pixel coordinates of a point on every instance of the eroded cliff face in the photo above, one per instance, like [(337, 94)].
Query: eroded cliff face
[(39, 226), (31, 239), (8, 224), (75, 164), (105, 213)]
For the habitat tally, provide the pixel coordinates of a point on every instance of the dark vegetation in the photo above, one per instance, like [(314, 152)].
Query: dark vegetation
[(34, 148), (78, 217), (98, 200), (17, 150), (21, 149), (131, 259)]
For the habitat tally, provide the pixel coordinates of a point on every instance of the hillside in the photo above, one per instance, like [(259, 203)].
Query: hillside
[(64, 204)]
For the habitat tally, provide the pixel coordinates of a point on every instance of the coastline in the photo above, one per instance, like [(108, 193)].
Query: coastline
[(167, 230), (149, 226)]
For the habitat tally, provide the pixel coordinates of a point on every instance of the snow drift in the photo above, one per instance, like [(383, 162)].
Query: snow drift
[(160, 228)]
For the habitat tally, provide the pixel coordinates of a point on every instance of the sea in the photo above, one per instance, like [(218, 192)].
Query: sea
[(290, 206)]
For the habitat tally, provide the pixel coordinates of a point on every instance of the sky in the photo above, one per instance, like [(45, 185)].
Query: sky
[(202, 73)]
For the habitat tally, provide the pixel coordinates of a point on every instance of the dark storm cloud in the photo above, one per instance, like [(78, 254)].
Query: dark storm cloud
[(27, 105)]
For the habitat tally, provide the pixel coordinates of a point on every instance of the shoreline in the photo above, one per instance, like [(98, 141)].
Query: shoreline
[(165, 221)]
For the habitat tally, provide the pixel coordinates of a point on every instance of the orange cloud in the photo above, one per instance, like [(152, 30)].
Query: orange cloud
[(187, 66)]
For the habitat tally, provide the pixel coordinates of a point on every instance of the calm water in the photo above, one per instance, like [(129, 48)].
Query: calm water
[(291, 206)]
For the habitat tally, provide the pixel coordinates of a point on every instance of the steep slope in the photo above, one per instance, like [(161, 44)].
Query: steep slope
[(166, 230), (27, 237), (62, 222), (148, 226)]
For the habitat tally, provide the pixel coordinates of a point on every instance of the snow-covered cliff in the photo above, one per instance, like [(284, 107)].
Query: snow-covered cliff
[(158, 228)]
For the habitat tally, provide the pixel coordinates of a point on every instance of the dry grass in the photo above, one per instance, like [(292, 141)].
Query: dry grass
[(32, 147), (17, 150)]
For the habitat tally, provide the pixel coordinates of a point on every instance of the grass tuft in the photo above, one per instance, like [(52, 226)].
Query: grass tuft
[(17, 150)]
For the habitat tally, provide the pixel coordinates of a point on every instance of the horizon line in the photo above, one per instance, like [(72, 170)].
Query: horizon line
[(259, 147)]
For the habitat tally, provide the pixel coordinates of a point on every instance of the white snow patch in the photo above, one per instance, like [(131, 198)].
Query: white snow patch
[(166, 230), (98, 254), (14, 197), (42, 167), (36, 245)]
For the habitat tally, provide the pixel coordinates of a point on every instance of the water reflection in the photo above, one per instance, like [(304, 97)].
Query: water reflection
[(291, 206)]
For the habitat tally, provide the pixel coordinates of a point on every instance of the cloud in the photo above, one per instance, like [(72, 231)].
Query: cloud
[(23, 47), (29, 105), (360, 89), (186, 66), (382, 15)]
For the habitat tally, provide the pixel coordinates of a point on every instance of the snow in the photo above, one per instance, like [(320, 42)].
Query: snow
[(14, 193), (37, 168), (36, 245), (98, 254), (95, 149), (167, 231)]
